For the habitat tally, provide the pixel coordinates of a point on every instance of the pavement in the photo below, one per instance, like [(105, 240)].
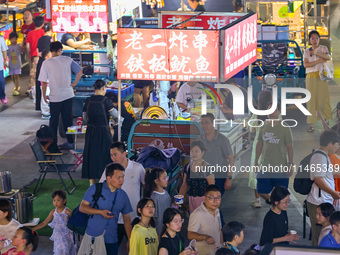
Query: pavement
[(19, 121)]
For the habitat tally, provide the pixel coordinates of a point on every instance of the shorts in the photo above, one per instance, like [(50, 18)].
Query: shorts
[(266, 185), (14, 71)]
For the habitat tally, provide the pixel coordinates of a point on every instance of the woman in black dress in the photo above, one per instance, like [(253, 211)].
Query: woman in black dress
[(97, 111)]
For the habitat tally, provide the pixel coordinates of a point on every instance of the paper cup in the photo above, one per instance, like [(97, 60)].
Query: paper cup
[(293, 232), (179, 199)]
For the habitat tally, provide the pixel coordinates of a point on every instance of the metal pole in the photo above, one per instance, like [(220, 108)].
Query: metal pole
[(119, 108), (249, 74)]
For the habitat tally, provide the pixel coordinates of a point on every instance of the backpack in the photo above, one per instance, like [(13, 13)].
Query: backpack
[(302, 182), (78, 220), (45, 135)]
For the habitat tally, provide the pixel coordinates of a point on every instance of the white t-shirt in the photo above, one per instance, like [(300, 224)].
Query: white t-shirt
[(57, 71), (3, 47), (134, 175), (203, 222), (306, 55), (187, 94), (321, 169), (8, 231)]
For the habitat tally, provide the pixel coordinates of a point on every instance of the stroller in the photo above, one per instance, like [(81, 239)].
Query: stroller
[(167, 159)]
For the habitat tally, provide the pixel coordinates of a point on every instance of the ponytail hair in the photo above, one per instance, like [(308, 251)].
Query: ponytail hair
[(98, 84), (150, 176), (141, 204), (31, 237)]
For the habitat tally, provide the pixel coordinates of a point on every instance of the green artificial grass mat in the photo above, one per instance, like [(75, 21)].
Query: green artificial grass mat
[(42, 204)]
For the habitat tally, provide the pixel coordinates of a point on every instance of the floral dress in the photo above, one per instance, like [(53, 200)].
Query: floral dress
[(62, 236)]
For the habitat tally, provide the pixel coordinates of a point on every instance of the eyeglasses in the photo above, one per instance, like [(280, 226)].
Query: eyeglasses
[(213, 198), (164, 179), (286, 202), (178, 221)]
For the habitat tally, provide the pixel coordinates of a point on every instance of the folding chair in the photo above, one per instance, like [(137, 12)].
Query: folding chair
[(78, 154), (48, 166)]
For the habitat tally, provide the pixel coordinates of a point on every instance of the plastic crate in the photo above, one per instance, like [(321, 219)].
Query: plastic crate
[(125, 92)]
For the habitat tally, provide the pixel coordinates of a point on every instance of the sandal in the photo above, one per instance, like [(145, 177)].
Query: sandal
[(310, 129)]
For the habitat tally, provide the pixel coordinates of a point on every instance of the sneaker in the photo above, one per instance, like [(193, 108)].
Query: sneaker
[(45, 117), (16, 93), (66, 146), (268, 202), (256, 203), (4, 101)]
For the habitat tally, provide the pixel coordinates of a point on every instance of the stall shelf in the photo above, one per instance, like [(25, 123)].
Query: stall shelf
[(300, 18), (15, 8)]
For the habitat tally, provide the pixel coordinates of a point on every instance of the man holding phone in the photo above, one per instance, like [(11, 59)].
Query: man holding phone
[(102, 225)]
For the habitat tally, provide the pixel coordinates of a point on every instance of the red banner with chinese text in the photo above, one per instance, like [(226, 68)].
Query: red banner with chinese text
[(79, 16), (240, 44), (203, 21), (168, 54)]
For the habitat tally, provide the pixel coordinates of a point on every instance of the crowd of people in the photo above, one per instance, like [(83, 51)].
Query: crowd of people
[(151, 222)]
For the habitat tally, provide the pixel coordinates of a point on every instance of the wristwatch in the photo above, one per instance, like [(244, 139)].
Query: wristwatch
[(229, 177)]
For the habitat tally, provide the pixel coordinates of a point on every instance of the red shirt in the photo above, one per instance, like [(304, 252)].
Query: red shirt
[(32, 38), (27, 28)]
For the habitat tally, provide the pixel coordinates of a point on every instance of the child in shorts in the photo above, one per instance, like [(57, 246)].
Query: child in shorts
[(14, 57)]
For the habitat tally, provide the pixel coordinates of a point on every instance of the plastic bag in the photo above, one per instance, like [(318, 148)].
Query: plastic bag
[(327, 71), (192, 247)]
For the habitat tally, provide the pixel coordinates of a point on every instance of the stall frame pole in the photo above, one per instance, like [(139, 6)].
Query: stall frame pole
[(119, 108)]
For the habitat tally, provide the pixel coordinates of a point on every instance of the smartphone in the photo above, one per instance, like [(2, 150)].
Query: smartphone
[(311, 49)]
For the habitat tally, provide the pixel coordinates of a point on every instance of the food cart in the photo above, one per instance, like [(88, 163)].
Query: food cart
[(210, 56)]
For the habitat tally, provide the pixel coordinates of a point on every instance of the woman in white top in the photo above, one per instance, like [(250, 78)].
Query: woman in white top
[(314, 57)]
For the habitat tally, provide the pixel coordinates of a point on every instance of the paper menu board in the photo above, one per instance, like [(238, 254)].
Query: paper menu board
[(79, 16)]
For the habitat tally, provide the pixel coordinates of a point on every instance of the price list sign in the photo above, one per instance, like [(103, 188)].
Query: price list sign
[(79, 16), (168, 54)]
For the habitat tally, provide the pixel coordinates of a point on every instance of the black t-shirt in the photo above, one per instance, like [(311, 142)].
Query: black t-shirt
[(274, 226), (141, 84), (200, 8), (173, 245), (66, 37)]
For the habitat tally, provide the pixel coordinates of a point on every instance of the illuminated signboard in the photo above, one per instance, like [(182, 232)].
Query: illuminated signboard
[(79, 16), (240, 45), (203, 21), (168, 54)]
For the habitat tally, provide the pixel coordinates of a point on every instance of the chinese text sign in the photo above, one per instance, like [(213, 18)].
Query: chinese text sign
[(240, 44), (79, 16), (203, 21), (168, 54)]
